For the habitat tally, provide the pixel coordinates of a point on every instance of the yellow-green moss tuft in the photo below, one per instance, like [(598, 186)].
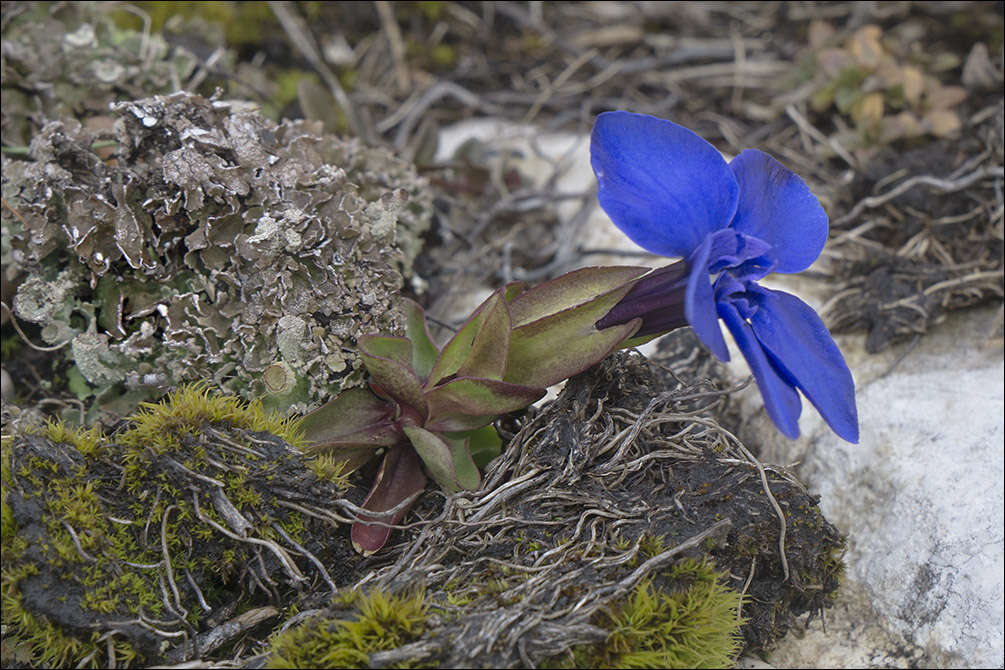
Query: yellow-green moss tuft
[(383, 622), (328, 468), (690, 622), (192, 405), (85, 440), (243, 23)]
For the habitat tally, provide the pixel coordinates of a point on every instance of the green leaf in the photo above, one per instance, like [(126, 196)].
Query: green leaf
[(513, 289), (459, 349), (399, 478), (570, 290), (467, 403), (448, 461), (487, 358), (389, 362), (484, 444), (424, 352), (640, 340), (559, 346), (398, 349), (356, 418)]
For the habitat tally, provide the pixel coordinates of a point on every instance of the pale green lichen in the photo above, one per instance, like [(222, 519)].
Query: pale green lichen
[(96, 361), (70, 59), (290, 332)]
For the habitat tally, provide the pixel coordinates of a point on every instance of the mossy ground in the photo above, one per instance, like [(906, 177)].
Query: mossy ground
[(125, 549), (684, 617), (583, 551), (377, 622), (692, 621)]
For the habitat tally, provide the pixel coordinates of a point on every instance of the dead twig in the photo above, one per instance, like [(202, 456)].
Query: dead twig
[(303, 41), (943, 185)]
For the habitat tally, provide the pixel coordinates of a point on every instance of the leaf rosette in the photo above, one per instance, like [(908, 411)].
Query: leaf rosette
[(430, 410)]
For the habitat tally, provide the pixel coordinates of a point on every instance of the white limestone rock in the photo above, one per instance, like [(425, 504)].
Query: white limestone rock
[(921, 495)]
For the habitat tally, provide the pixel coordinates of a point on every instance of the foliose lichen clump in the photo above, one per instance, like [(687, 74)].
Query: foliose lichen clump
[(71, 60), (215, 245), (163, 543)]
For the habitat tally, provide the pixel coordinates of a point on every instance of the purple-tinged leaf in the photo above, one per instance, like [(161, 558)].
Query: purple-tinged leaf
[(448, 461), (468, 475), (400, 477), (467, 403), (548, 350), (570, 290), (389, 362), (639, 340), (513, 289), (356, 418), (487, 358), (424, 352), (397, 349), (456, 351)]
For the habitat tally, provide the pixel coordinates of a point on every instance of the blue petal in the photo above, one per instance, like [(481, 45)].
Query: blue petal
[(699, 302), (746, 258), (777, 206), (798, 343), (662, 185), (780, 399)]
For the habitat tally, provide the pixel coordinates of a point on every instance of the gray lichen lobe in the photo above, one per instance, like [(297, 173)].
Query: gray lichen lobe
[(50, 302), (215, 245), (70, 59)]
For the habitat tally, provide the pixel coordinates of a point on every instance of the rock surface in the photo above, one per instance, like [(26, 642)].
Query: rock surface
[(920, 497)]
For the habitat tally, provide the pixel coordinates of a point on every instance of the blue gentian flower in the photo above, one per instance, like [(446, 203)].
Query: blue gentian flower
[(732, 223)]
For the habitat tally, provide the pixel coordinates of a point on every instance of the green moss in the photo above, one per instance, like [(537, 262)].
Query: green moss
[(433, 10), (244, 23), (287, 82), (382, 622), (9, 346), (328, 468), (191, 406), (456, 595), (86, 441), (690, 622), (650, 545), (141, 527), (45, 643)]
